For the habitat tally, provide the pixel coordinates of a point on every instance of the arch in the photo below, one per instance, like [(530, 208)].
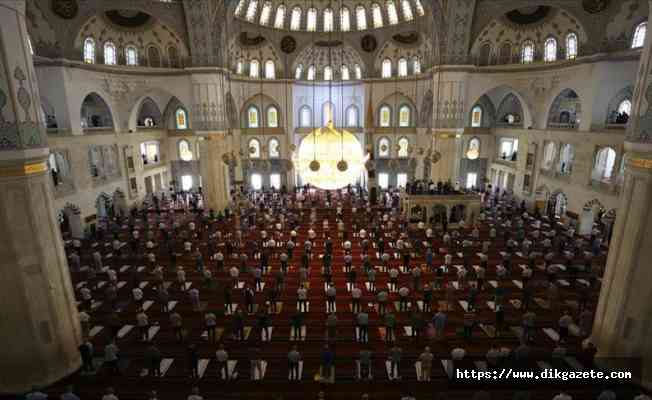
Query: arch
[(184, 150), (565, 111), (110, 54), (361, 18), (510, 111), (279, 18), (550, 50), (295, 18), (604, 165), (386, 71), (616, 106), (328, 20), (131, 55), (638, 37), (253, 148), (154, 56), (376, 16), (484, 57), (270, 69), (95, 112), (265, 13), (345, 19), (384, 147), (254, 69), (89, 50), (527, 52), (171, 114), (149, 115), (492, 95), (402, 67), (265, 107), (311, 19), (473, 148), (274, 148), (572, 46), (352, 116)]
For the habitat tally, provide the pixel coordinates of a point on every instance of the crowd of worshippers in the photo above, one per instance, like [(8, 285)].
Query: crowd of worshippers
[(430, 187), (195, 394), (269, 216), (618, 117)]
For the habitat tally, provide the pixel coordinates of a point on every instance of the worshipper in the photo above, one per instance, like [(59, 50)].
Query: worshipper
[(176, 322), (382, 298), (163, 299), (255, 362), (111, 352), (249, 296), (210, 322), (142, 322), (439, 321), (528, 325), (302, 296), (395, 354), (153, 359), (86, 351), (109, 394), (468, 323), (293, 363), (363, 326), (564, 324), (331, 326), (426, 364), (228, 304), (356, 295), (562, 396), (194, 298), (364, 358), (326, 368), (499, 319), (296, 322), (331, 293), (194, 394), (371, 277), (222, 358), (264, 322), (181, 278), (403, 293)]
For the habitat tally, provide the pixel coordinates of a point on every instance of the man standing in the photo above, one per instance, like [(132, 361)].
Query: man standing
[(395, 354), (222, 358), (293, 363), (111, 352), (363, 326), (426, 364)]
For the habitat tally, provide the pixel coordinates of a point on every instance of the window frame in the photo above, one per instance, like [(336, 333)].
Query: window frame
[(256, 112), (401, 123), (381, 109), (527, 57), (276, 154), (89, 47), (571, 55), (254, 143), (110, 53), (550, 50), (189, 150), (272, 108), (638, 37)]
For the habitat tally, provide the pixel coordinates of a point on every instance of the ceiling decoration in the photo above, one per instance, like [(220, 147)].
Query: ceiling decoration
[(288, 44), (368, 43), (528, 15), (595, 6), (250, 41), (128, 18), (321, 57), (66, 9), (328, 43)]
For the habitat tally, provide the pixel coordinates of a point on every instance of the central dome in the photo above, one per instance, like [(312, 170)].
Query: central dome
[(345, 15)]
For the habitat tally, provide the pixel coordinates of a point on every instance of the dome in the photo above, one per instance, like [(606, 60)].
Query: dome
[(345, 15)]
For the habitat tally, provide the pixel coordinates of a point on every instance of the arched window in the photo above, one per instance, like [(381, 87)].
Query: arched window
[(419, 7), (154, 57), (254, 69), (407, 10), (473, 151), (272, 117), (639, 35), (328, 114), (251, 10), (180, 119), (295, 19), (604, 164), (506, 53), (239, 8), (311, 23), (403, 146), (306, 117), (311, 73), (571, 46), (361, 18), (385, 116), (173, 57), (299, 71), (328, 20), (253, 120), (387, 68), (527, 52), (549, 154), (376, 15), (625, 107), (239, 67), (265, 13), (404, 116), (270, 69), (254, 148), (402, 67), (345, 19), (476, 117), (550, 53), (109, 54), (352, 119), (185, 154), (358, 71), (383, 148), (89, 51), (345, 73), (416, 65), (328, 73), (392, 14), (566, 156), (274, 148), (279, 20), (131, 55)]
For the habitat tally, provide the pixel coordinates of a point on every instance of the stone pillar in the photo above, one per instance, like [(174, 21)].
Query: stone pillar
[(214, 172), (41, 331), (623, 321)]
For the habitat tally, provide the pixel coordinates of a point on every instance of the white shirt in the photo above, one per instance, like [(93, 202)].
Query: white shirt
[(562, 396), (137, 293)]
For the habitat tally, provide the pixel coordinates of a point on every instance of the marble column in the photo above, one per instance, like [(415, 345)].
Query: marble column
[(40, 329), (623, 321), (215, 172)]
